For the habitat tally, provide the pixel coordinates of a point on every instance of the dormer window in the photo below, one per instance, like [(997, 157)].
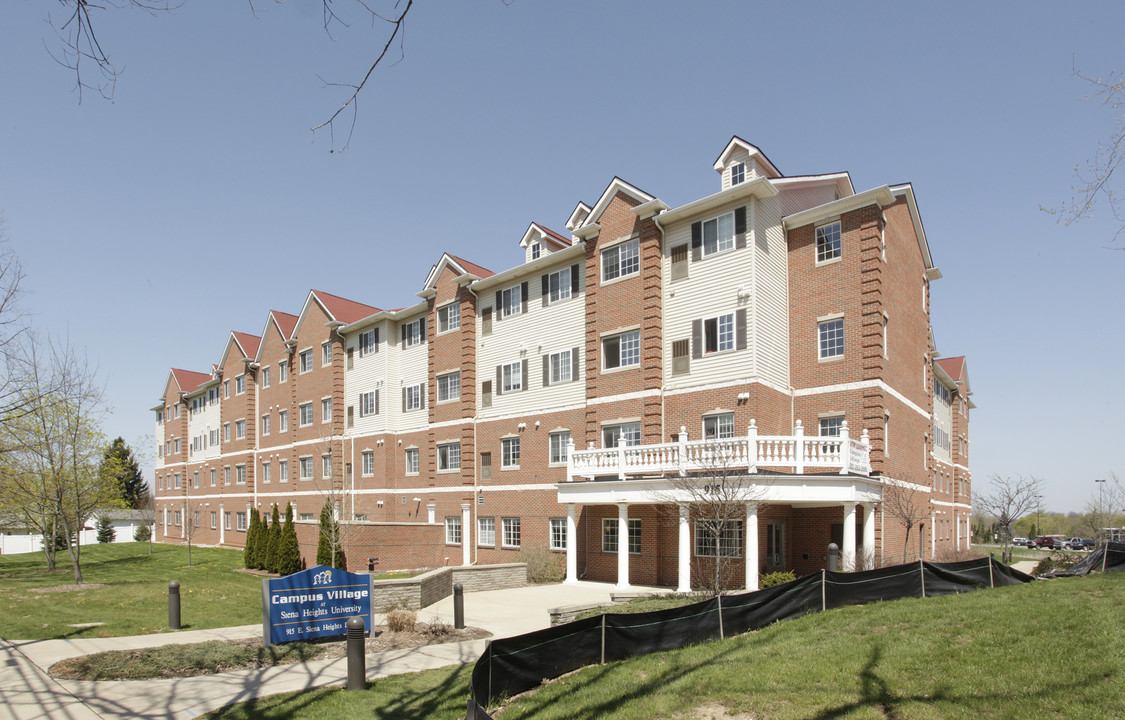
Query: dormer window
[(737, 173), (536, 251)]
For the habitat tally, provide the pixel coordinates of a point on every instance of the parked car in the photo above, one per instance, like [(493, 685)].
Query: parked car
[(1023, 542), (1050, 542), (1076, 543)]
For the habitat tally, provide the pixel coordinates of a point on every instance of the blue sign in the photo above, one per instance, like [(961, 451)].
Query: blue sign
[(314, 603)]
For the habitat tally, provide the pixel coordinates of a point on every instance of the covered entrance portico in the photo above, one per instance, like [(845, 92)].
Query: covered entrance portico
[(680, 475)]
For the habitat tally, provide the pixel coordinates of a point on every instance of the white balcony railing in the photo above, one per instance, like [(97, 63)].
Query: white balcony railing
[(796, 453)]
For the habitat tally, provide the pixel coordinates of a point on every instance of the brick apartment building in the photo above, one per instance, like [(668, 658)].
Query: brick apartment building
[(576, 404)]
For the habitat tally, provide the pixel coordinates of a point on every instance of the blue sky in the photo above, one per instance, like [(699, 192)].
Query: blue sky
[(136, 220)]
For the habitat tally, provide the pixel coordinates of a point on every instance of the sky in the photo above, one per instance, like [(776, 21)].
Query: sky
[(199, 199)]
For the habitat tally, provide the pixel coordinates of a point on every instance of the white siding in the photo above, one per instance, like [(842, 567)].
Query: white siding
[(200, 424), (370, 373), (406, 367), (796, 199)]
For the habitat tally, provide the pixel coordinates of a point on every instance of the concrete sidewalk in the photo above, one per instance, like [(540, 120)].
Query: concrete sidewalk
[(27, 693)]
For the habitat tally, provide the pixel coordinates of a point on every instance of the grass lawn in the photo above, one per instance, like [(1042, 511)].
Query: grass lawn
[(134, 600), (1046, 649)]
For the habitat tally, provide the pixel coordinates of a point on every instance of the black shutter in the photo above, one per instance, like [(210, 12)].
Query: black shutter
[(740, 227), (574, 279), (696, 241), (546, 370), (546, 289), (740, 329), (403, 328), (499, 380), (499, 299), (523, 372), (422, 329), (697, 338), (523, 297), (574, 363), (375, 348)]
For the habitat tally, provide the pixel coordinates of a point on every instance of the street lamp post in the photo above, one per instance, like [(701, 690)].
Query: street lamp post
[(1101, 509)]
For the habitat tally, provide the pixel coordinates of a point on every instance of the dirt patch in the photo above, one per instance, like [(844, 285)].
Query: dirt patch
[(714, 711), (68, 588)]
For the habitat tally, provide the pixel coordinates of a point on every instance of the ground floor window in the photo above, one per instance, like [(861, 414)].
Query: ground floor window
[(558, 533), (729, 539), (610, 538), (486, 531), (511, 532), (453, 530), (240, 518)]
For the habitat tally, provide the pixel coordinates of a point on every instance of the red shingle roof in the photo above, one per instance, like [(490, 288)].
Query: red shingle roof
[(472, 268), (954, 367), (248, 342), (344, 310), (285, 322), (189, 380), (564, 241)]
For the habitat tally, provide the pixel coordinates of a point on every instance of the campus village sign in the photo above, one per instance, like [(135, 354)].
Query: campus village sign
[(314, 603)]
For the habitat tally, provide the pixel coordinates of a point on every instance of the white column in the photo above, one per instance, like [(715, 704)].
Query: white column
[(957, 533), (571, 545), (848, 551), (164, 514), (222, 525), (751, 546), (869, 536), (430, 513), (623, 546), (684, 554), (933, 536), (466, 533)]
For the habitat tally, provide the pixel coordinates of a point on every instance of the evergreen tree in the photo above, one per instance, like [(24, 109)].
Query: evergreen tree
[(248, 558), (289, 552), (119, 462), (261, 542), (324, 542), (273, 542), (106, 533), (142, 534)]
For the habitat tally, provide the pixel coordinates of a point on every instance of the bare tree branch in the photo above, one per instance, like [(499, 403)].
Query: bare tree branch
[(902, 503), (1010, 499)]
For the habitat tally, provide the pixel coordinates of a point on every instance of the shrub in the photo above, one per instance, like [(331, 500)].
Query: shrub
[(775, 578), (543, 566), (1054, 561), (142, 533), (401, 620), (289, 550), (106, 533), (249, 552), (273, 541)]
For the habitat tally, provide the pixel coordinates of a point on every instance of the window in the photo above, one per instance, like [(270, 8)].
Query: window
[(176, 519), (560, 367), (718, 427), (306, 414), (448, 318), (265, 424), (412, 398), (241, 519), (718, 235), (486, 531), (453, 530), (283, 421), (511, 377), (622, 350), (212, 477), (368, 465), (265, 377), (306, 361), (266, 472), (283, 471), (326, 466), (729, 544), (239, 429), (176, 445), (511, 301), (306, 468), (486, 466), (627, 434), (558, 533), (226, 475), (413, 333), (369, 403), (240, 385), (559, 442), (560, 285), (214, 520), (325, 354), (369, 342), (449, 456), (226, 520), (610, 538), (306, 517), (831, 426), (511, 532), (412, 461), (283, 371), (325, 410), (510, 452), (831, 333), (621, 260), (828, 242), (718, 334), (536, 251), (226, 389), (737, 174), (195, 479), (449, 387), (239, 474)]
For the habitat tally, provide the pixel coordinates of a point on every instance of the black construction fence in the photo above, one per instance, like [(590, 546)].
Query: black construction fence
[(517, 664), (1108, 558)]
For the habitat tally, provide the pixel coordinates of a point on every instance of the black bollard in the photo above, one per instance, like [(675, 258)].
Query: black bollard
[(357, 660), (458, 606), (173, 605), (833, 557)]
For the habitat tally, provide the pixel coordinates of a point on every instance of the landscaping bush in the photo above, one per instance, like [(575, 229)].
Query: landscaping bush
[(142, 533), (775, 578), (543, 566), (249, 558), (106, 533), (289, 552), (1054, 561), (401, 620), (273, 541)]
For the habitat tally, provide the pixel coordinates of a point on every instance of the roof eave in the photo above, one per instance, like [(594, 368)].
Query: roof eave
[(760, 188)]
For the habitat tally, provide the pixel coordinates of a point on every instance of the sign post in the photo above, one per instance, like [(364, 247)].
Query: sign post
[(314, 603)]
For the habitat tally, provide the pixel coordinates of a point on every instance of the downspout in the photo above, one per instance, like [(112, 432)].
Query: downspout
[(663, 328), (475, 550)]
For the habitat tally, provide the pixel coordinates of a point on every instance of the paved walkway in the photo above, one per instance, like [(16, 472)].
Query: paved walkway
[(28, 693)]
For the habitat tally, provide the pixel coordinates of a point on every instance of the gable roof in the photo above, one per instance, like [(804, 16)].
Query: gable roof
[(617, 185), (187, 380), (247, 342), (737, 143), (536, 232), (342, 309), (457, 265), (954, 367), (284, 322)]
